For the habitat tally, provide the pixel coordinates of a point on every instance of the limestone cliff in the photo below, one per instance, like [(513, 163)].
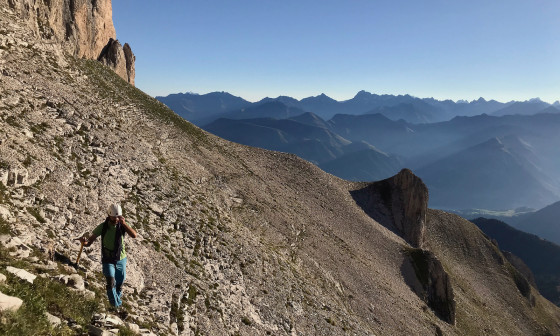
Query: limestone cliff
[(400, 203), (84, 27)]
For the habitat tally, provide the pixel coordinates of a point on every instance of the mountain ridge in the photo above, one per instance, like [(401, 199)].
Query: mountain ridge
[(232, 238)]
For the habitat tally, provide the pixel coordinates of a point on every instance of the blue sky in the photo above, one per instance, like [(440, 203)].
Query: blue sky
[(453, 49)]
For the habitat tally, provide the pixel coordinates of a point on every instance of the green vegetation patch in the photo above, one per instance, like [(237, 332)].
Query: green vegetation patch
[(40, 128), (44, 295), (192, 293), (5, 227), (4, 195), (4, 165)]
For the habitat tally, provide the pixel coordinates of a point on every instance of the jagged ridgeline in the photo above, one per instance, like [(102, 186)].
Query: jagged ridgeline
[(233, 240)]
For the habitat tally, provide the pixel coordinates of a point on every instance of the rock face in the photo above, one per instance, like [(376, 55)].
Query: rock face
[(439, 291), (430, 282), (119, 58), (84, 27), (399, 202)]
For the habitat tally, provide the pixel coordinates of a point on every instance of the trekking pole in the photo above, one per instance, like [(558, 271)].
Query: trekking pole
[(80, 253)]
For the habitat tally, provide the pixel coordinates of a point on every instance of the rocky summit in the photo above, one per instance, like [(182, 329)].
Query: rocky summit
[(233, 240)]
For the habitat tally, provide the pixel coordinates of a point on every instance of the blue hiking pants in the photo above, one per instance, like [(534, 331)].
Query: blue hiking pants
[(115, 275)]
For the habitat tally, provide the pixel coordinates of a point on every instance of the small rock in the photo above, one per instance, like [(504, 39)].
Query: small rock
[(5, 213), (95, 331), (156, 208), (2, 278), (88, 294), (113, 321), (76, 281), (53, 320), (27, 133), (134, 327), (11, 242), (51, 208), (22, 274), (9, 302)]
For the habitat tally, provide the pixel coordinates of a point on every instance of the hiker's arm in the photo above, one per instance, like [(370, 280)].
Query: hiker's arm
[(128, 229)]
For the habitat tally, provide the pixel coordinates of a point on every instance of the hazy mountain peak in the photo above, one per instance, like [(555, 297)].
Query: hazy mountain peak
[(362, 94)]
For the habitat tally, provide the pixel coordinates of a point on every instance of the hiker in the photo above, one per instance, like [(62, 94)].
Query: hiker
[(113, 254)]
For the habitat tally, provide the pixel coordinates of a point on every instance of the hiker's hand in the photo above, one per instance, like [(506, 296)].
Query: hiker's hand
[(84, 239)]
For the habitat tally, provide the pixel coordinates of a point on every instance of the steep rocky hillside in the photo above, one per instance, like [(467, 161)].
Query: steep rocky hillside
[(233, 240)]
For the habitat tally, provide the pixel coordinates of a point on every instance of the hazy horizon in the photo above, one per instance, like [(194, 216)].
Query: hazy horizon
[(352, 96)]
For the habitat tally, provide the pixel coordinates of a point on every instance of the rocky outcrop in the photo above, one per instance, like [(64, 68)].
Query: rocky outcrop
[(84, 27), (434, 283), (399, 203), (119, 58), (130, 59)]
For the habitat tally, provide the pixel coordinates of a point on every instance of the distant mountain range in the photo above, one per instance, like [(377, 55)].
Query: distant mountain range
[(504, 158), (487, 175), (203, 109), (544, 222)]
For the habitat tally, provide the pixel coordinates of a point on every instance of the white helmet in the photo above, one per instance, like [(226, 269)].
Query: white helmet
[(114, 210)]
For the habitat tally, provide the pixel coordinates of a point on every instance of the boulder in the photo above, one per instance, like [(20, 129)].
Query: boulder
[(22, 274), (9, 302), (75, 281), (53, 320)]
